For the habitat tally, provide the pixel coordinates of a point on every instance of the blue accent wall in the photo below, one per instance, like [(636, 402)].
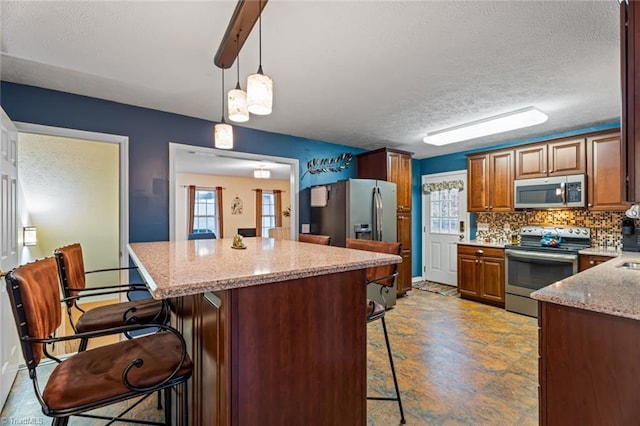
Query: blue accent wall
[(150, 132)]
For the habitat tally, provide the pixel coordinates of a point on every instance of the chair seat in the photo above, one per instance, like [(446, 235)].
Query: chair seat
[(375, 310), (95, 376), (112, 315)]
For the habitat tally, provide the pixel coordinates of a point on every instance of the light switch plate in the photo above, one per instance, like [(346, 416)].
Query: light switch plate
[(306, 228)]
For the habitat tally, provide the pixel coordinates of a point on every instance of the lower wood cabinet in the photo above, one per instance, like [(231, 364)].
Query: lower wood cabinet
[(403, 283), (589, 372), (288, 352), (481, 274), (586, 261)]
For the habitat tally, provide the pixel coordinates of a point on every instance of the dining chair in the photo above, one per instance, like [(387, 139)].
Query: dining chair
[(74, 288), (385, 276), (324, 240), (95, 377)]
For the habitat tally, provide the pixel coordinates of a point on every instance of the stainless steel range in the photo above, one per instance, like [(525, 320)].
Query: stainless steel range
[(546, 254)]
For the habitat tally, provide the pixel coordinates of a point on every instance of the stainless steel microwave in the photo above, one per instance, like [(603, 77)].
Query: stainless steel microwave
[(551, 192)]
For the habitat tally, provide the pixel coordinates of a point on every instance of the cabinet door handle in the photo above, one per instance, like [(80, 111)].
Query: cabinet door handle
[(544, 171), (588, 204), (591, 262), (479, 252), (550, 171), (476, 260)]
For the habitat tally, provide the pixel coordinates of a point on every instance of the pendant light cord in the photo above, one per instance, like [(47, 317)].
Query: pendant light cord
[(222, 68), (238, 63), (260, 36)]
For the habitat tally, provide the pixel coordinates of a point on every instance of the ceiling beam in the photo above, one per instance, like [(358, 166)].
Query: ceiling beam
[(242, 21)]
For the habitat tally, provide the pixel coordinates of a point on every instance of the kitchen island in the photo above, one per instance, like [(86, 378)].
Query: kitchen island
[(277, 330), (589, 346)]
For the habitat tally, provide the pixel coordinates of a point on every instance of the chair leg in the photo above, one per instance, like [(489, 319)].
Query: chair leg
[(60, 421), (159, 404), (393, 370), (83, 345), (167, 406)]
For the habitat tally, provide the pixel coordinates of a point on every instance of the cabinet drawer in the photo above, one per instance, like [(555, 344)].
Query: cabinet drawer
[(480, 251)]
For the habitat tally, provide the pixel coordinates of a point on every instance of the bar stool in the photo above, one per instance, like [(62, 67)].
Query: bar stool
[(96, 377), (385, 276), (73, 282), (324, 240)]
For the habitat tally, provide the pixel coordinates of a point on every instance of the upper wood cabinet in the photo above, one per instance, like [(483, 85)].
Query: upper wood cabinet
[(490, 181), (630, 78), (606, 176), (391, 165), (556, 158)]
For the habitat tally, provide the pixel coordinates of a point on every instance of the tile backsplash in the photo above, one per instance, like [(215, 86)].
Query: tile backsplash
[(605, 226)]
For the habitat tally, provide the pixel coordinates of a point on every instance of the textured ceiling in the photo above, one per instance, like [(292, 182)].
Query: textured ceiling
[(214, 164), (367, 74)]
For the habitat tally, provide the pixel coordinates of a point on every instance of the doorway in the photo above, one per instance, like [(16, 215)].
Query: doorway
[(446, 221), (230, 166)]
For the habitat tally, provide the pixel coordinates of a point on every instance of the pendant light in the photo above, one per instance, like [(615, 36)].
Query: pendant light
[(237, 98), (223, 132), (259, 86)]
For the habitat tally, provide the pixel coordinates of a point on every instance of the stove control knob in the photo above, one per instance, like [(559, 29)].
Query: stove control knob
[(570, 231), (585, 232)]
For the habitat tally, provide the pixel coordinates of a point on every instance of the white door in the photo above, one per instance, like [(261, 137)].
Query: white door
[(446, 221), (9, 351)]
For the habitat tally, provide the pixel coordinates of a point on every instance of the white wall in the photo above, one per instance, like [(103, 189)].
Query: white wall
[(234, 186), (70, 192)]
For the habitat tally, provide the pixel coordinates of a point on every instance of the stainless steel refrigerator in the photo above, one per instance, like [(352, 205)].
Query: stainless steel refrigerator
[(356, 208)]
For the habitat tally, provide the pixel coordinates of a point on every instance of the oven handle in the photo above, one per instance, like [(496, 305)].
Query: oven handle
[(538, 255)]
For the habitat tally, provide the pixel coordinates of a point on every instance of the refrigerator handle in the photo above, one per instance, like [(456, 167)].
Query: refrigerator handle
[(378, 213)]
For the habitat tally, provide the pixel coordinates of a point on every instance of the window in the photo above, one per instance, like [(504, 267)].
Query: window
[(268, 213), (204, 217), (444, 204)]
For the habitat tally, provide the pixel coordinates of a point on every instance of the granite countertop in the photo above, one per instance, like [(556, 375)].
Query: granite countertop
[(482, 243), (595, 251), (605, 288), (179, 268)]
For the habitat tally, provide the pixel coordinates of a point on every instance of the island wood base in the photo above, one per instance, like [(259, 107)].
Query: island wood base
[(284, 353), (589, 367)]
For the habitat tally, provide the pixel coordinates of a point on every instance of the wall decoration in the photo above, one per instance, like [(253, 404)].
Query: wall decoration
[(287, 212), (328, 165), (236, 206)]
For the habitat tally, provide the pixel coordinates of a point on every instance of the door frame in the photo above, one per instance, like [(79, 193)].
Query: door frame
[(425, 219), (123, 141), (294, 179)]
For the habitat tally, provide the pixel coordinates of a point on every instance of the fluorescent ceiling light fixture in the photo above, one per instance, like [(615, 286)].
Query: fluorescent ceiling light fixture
[(525, 117), (262, 174)]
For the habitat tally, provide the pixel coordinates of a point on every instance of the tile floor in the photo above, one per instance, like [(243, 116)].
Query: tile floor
[(458, 363)]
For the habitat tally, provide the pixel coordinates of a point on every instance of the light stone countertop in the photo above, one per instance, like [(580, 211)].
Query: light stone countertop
[(595, 251), (481, 243), (180, 268), (605, 288)]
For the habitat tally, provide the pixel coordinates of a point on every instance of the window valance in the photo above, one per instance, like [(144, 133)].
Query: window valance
[(428, 188)]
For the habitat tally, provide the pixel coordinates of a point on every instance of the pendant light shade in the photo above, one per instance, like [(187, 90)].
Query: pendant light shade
[(259, 93), (237, 98), (223, 132), (223, 135), (238, 105), (259, 86)]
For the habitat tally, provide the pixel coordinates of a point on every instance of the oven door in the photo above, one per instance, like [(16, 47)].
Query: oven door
[(528, 271)]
